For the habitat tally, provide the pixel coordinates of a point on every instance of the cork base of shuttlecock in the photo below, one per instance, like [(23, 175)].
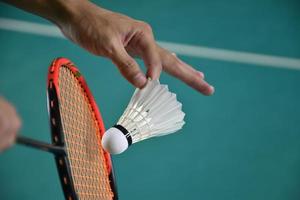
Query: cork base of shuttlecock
[(116, 140)]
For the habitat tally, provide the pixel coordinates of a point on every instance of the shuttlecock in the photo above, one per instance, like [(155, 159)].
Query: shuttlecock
[(152, 111)]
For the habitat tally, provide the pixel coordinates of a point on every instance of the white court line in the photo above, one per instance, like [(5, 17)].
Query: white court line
[(30, 27), (181, 49)]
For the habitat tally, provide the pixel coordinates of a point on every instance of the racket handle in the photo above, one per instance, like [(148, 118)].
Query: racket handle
[(57, 150)]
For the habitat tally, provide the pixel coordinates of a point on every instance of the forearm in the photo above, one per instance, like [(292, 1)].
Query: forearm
[(57, 11)]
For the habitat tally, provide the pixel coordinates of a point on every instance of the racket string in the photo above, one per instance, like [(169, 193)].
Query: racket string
[(82, 138)]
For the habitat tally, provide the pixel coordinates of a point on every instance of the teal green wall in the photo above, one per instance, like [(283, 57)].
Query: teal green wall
[(241, 143)]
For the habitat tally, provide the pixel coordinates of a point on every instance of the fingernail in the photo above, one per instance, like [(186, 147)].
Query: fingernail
[(212, 89), (154, 77), (201, 74), (154, 71), (11, 141), (139, 80)]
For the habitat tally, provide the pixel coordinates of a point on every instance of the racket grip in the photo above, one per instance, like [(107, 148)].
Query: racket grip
[(57, 150)]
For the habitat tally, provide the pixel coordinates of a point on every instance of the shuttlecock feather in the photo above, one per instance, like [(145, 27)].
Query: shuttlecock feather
[(152, 111)]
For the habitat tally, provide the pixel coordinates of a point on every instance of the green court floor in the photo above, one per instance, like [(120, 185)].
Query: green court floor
[(243, 143)]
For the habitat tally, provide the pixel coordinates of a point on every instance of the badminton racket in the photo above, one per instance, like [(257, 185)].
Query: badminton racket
[(84, 168)]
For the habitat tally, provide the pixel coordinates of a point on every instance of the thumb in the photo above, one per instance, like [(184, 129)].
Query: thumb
[(128, 67)]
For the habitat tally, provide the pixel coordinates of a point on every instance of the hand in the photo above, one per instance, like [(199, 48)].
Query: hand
[(121, 38), (117, 37), (9, 124)]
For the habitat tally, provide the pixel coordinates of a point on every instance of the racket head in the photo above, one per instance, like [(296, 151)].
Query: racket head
[(86, 171)]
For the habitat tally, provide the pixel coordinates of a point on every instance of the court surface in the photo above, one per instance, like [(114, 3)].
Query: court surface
[(241, 143)]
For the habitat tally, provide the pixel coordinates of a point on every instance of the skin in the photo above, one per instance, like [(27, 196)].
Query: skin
[(115, 36), (10, 123)]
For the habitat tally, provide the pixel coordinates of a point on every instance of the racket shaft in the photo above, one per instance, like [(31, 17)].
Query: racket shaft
[(40, 145)]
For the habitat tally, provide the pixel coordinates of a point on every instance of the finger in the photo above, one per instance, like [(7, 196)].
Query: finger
[(201, 74), (128, 67), (8, 138), (10, 124), (12, 138), (151, 57), (186, 73), (3, 146)]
